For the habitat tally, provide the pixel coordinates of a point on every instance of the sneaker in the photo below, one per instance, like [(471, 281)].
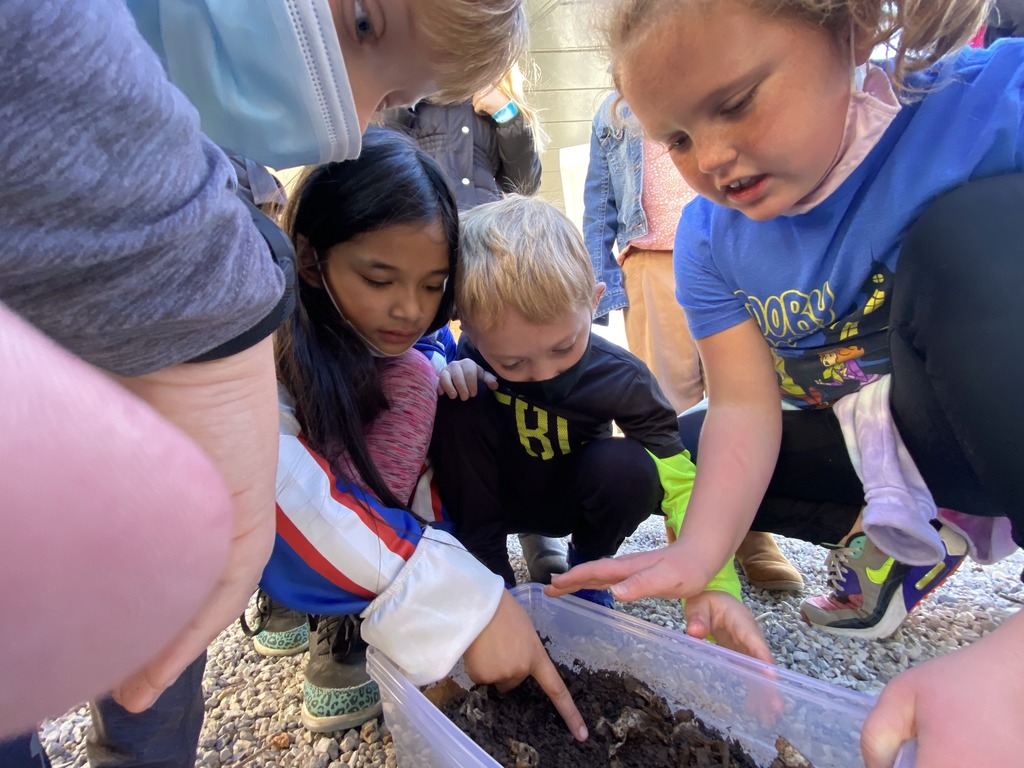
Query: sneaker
[(544, 556), (872, 593), (279, 631), (337, 692), (602, 597)]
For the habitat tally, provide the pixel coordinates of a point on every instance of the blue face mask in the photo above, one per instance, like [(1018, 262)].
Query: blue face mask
[(267, 76)]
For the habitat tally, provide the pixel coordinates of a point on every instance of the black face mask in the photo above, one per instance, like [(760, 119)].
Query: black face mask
[(551, 390)]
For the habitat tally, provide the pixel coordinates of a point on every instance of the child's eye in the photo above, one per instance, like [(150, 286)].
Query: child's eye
[(679, 142), (375, 283), (739, 106), (363, 22), (435, 288), (512, 366), (565, 350)]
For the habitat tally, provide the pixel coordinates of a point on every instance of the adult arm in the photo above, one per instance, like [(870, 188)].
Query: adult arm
[(124, 242), (107, 509), (963, 708), (229, 408)]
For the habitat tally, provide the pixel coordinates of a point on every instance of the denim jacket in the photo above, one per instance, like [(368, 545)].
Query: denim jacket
[(611, 197)]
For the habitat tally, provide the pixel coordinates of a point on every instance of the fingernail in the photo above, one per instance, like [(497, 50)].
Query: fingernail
[(582, 734)]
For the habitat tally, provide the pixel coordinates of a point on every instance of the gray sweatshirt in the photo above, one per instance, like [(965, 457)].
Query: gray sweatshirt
[(121, 236)]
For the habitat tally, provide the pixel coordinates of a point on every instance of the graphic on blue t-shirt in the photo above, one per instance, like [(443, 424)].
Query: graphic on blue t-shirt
[(855, 351)]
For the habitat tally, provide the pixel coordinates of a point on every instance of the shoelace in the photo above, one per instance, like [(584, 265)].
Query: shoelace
[(837, 564), (336, 635), (264, 609)]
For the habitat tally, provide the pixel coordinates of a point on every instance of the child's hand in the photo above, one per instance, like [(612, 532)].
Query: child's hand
[(509, 650), (729, 620), (964, 708), (459, 379), (671, 572)]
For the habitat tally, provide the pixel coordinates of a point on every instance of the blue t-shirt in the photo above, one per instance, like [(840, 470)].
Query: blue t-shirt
[(819, 283)]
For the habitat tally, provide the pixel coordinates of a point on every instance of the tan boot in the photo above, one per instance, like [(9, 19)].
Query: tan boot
[(765, 566)]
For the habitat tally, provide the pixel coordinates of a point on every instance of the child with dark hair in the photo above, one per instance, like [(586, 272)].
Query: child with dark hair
[(376, 240)]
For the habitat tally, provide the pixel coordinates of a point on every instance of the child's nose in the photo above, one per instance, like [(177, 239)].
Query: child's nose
[(407, 306), (715, 153)]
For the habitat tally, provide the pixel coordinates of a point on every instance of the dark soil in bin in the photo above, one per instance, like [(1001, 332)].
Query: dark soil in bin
[(630, 727)]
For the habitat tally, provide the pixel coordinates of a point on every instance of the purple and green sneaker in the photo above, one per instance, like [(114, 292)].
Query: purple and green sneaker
[(873, 593)]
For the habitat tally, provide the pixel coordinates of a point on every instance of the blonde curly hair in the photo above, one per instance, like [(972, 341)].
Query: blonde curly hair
[(917, 32)]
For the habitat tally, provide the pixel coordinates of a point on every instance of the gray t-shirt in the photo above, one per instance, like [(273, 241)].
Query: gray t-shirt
[(121, 236)]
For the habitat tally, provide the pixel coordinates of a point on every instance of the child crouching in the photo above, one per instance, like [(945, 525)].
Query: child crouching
[(534, 452)]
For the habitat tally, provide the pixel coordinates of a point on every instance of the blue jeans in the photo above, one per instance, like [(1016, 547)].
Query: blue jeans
[(164, 736)]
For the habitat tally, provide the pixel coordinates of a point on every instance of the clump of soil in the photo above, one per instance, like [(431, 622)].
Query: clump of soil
[(630, 726)]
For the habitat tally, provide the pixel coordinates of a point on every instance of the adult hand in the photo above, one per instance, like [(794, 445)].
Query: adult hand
[(729, 621), (459, 379), (670, 572), (229, 408), (508, 651), (115, 525), (489, 101), (964, 708)]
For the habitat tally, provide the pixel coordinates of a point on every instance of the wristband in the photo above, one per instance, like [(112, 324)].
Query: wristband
[(284, 256), (506, 113)]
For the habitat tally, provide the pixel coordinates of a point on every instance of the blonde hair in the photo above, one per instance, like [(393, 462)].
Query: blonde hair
[(476, 40), (514, 85), (917, 32), (521, 253)]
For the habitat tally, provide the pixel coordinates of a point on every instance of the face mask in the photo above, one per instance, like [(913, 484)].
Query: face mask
[(374, 349), (873, 105), (552, 390), (268, 78)]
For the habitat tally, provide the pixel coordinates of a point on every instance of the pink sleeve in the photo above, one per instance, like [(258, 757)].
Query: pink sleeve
[(399, 437)]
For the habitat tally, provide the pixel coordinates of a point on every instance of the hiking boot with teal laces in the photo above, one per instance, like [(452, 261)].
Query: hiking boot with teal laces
[(873, 593), (337, 692), (278, 630)]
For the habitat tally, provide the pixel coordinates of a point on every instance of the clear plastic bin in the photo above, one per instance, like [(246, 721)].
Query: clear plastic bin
[(728, 691)]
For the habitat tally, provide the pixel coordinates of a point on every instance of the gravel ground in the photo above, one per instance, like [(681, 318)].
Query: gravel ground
[(252, 707)]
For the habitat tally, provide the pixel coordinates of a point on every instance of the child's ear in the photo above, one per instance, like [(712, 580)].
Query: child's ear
[(598, 293), (305, 255)]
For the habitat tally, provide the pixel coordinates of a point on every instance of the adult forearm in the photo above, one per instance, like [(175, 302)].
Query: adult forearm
[(229, 408)]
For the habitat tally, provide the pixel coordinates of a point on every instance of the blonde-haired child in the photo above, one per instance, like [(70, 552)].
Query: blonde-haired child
[(847, 204), (534, 452)]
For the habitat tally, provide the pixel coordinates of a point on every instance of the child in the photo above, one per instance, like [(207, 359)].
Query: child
[(535, 453), (376, 245), (633, 196), (829, 222)]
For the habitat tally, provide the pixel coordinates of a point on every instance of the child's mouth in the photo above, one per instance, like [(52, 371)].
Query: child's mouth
[(745, 187)]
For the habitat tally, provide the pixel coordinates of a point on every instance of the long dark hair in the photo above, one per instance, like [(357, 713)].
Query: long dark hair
[(321, 361)]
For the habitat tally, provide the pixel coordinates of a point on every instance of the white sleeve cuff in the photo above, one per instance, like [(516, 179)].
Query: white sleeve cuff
[(434, 609)]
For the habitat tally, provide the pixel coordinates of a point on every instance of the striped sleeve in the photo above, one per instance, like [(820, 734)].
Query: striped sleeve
[(423, 598)]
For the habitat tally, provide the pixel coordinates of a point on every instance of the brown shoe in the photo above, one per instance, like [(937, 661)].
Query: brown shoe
[(764, 565)]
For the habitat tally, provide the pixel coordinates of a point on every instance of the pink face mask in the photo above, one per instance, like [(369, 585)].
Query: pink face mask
[(873, 105)]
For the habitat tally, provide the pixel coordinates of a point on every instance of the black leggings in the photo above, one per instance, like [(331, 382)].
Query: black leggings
[(491, 487), (954, 319)]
